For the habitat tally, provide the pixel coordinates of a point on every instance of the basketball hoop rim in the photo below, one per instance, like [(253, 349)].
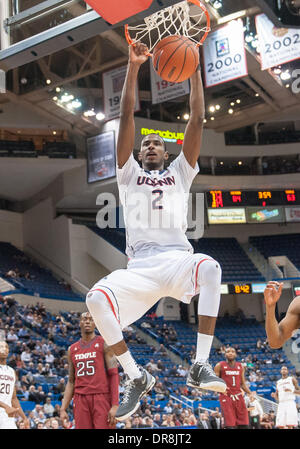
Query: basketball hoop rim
[(195, 2)]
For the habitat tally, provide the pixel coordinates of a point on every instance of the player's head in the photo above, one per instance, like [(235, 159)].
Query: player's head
[(153, 152), (230, 354), (87, 324), (4, 350), (284, 371)]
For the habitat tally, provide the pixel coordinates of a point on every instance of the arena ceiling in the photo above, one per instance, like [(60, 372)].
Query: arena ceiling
[(73, 48)]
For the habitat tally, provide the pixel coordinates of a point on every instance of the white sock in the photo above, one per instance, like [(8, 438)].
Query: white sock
[(204, 343), (129, 365)]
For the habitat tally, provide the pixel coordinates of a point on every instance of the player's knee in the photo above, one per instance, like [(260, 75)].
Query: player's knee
[(210, 271), (94, 299)]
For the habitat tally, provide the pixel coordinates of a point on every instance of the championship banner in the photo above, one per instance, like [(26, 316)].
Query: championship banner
[(101, 163), (277, 45), (292, 214), (113, 82), (224, 54), (163, 90)]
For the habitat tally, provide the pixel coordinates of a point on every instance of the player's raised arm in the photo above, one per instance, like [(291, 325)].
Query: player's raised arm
[(279, 333), (194, 129), (126, 137)]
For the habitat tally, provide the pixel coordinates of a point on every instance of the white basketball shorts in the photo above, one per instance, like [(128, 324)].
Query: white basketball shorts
[(133, 291), (6, 422), (287, 414)]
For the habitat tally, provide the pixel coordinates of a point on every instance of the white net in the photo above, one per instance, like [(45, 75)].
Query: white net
[(267, 405), (184, 18)]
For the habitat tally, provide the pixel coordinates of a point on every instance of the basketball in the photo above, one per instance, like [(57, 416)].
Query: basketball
[(175, 58)]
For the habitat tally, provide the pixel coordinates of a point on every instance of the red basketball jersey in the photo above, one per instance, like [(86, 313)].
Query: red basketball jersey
[(89, 365), (232, 376)]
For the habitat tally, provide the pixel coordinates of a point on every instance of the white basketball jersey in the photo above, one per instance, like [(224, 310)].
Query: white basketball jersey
[(285, 395), (7, 385), (155, 206)]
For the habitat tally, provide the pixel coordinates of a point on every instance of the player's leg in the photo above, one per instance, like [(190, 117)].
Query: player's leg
[(280, 416), (82, 413), (242, 415), (186, 275), (228, 412), (208, 280), (291, 415), (100, 408), (119, 300)]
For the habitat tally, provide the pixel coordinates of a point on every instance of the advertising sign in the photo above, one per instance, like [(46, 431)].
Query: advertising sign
[(226, 216)]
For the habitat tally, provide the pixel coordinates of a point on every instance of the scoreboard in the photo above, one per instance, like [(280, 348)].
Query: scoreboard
[(243, 198)]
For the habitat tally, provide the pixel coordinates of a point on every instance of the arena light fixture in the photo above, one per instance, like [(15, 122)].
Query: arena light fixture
[(230, 111), (285, 75), (65, 98), (100, 116), (186, 116), (76, 103), (89, 113), (217, 4)]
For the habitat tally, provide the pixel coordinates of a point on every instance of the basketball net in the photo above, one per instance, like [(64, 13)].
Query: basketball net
[(188, 18), (267, 405)]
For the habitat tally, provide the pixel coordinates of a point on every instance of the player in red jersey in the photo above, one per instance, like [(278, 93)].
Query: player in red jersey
[(93, 380), (232, 403)]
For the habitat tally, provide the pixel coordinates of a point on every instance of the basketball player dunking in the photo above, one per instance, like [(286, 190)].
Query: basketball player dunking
[(161, 260), (232, 403), (9, 403)]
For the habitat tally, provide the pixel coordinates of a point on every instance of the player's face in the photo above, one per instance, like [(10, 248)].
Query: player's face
[(87, 324), (4, 350), (284, 371), (230, 354), (152, 153)]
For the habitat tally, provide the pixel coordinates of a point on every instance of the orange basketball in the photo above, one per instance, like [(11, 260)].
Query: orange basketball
[(175, 58)]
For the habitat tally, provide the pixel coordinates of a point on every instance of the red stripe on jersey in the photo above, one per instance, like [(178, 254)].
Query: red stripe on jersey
[(109, 300)]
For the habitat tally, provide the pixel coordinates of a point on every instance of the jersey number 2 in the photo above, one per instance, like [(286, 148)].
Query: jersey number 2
[(155, 203)]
